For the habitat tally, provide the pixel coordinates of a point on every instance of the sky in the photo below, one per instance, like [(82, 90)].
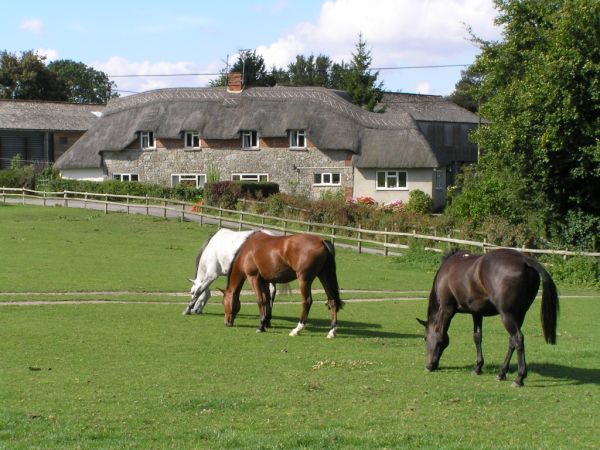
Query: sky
[(198, 37)]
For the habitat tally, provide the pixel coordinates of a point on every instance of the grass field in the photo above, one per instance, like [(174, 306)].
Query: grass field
[(134, 375)]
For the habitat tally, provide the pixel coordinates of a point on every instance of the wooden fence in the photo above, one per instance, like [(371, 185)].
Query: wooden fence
[(386, 242)]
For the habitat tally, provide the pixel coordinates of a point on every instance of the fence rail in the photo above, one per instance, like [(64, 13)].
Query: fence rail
[(361, 239)]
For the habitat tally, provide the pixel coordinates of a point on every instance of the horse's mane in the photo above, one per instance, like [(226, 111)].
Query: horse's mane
[(210, 236), (236, 255)]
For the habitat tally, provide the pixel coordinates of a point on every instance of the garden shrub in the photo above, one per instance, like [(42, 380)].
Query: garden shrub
[(578, 271), (419, 202), (20, 177)]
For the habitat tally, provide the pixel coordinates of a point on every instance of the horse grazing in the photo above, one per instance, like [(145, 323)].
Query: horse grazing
[(213, 260), (264, 259), (501, 282)]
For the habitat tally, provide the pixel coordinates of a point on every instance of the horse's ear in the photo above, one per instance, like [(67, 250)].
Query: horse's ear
[(422, 322)]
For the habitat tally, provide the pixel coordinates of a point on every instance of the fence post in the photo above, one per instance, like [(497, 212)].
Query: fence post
[(85, 198), (106, 204), (241, 218), (220, 218), (483, 249), (3, 195), (183, 212), (385, 242), (66, 201), (147, 212), (44, 198), (127, 203), (165, 209), (23, 195), (333, 233), (285, 227), (359, 238)]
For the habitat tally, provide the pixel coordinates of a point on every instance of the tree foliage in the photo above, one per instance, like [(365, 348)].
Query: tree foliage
[(359, 81), (84, 84), (541, 91), (25, 77)]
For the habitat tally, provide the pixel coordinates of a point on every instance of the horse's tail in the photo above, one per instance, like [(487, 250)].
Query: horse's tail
[(331, 275), (550, 303)]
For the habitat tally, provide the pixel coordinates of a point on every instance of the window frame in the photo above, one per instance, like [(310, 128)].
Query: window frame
[(247, 176), (438, 179), (297, 134), (253, 139), (129, 176), (193, 135), (149, 135), (189, 177), (330, 175), (389, 174)]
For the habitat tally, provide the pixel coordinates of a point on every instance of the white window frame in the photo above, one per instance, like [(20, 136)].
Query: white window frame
[(147, 136), (250, 137), (250, 177), (126, 177), (327, 179), (198, 178), (193, 136), (388, 176), (438, 179), (298, 139)]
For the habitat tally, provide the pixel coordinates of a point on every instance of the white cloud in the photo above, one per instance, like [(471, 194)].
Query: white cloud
[(35, 26), (50, 53), (398, 32), (117, 65)]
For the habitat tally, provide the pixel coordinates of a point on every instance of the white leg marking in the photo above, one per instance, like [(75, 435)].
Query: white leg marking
[(332, 333), (296, 331)]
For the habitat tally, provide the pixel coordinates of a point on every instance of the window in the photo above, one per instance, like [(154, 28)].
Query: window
[(250, 177), (147, 139), (297, 138), (126, 177), (192, 139), (188, 179), (249, 139), (391, 179), (327, 179), (438, 179)]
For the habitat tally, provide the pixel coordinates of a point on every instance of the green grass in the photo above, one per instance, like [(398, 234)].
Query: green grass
[(133, 375)]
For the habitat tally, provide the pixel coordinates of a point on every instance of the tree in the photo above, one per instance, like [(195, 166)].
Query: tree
[(359, 81), (541, 86), (250, 64), (26, 77), (84, 84), (465, 90)]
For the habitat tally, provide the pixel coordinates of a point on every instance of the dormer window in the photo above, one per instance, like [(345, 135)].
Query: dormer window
[(297, 138), (147, 140), (249, 140), (192, 139)]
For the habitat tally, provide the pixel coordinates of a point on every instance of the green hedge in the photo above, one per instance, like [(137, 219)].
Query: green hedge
[(225, 194), (180, 192)]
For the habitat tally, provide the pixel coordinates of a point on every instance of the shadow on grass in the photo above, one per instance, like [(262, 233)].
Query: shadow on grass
[(553, 374), (320, 325)]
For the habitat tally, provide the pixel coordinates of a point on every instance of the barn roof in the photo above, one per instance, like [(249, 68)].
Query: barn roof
[(331, 122), (434, 108), (47, 116)]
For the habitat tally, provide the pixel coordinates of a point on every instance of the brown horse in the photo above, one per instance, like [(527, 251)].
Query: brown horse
[(264, 259), (501, 282)]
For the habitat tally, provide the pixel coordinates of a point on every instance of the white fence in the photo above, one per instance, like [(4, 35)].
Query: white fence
[(361, 239)]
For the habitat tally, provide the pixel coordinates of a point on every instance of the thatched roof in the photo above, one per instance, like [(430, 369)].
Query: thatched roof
[(433, 108), (47, 116), (331, 122)]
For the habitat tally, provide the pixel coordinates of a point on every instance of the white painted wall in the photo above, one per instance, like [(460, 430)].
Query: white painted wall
[(83, 174), (421, 179)]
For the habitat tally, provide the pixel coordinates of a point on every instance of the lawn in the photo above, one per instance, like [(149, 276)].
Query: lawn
[(135, 375)]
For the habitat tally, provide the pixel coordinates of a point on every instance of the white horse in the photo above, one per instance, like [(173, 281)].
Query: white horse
[(213, 260)]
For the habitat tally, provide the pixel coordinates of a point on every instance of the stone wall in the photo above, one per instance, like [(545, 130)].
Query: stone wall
[(292, 169)]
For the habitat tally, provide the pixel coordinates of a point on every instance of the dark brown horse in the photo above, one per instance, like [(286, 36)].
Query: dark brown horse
[(501, 282), (265, 259)]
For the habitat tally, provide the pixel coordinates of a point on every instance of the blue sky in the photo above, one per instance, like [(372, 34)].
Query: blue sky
[(180, 36)]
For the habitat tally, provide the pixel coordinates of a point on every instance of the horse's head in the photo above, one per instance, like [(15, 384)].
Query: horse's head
[(231, 306), (437, 340)]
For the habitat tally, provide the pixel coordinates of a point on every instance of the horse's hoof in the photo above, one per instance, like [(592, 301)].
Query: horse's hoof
[(332, 334), (501, 377), (293, 333), (516, 384), (476, 372), (186, 312), (260, 330)]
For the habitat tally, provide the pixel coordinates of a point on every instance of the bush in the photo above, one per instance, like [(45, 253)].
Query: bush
[(580, 271), (225, 194), (19, 177), (419, 202)]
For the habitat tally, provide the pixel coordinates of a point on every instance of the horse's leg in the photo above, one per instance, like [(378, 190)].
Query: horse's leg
[(477, 337), (262, 297), (272, 288), (307, 300), (195, 306), (325, 281), (515, 342)]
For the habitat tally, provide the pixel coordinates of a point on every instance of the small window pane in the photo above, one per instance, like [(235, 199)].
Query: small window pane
[(335, 178)]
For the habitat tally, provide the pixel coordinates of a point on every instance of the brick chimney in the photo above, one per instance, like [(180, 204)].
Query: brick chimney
[(235, 82)]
